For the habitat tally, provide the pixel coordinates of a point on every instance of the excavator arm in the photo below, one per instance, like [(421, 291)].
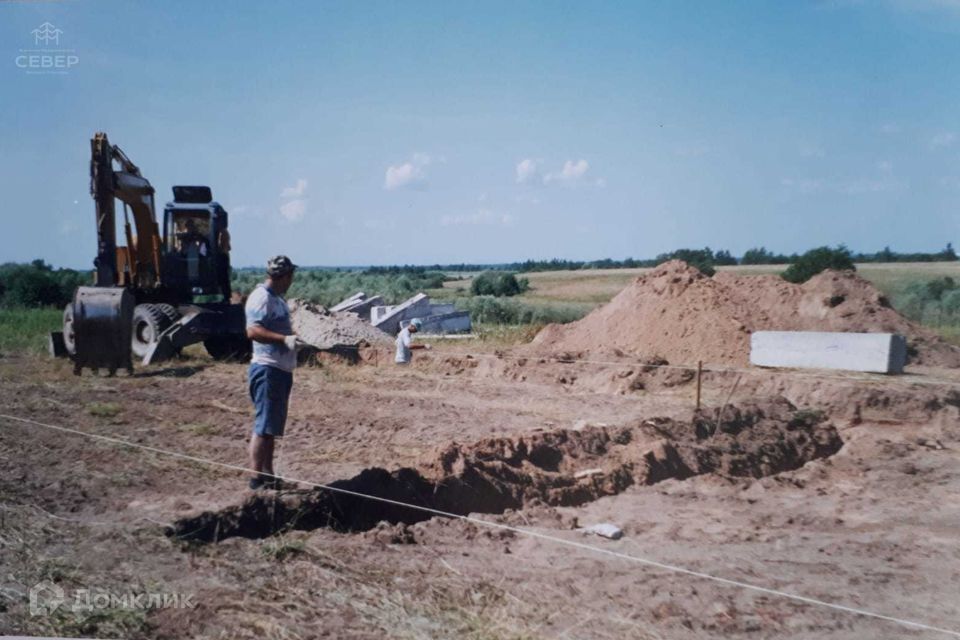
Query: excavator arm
[(138, 263)]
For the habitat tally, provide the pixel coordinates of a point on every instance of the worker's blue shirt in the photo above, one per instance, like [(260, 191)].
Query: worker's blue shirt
[(270, 311)]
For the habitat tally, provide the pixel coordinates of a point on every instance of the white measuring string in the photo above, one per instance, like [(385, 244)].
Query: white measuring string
[(518, 530)]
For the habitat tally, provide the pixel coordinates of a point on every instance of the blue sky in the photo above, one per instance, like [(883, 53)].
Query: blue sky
[(381, 133)]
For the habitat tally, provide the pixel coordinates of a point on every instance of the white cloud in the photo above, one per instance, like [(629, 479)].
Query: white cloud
[(296, 191), (293, 201), (943, 139), (293, 210), (481, 216), (410, 174), (573, 172), (528, 172)]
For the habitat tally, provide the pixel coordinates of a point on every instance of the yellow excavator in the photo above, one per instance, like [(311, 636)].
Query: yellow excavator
[(165, 288)]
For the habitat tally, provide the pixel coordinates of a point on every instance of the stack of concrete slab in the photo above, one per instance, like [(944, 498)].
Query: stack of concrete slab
[(359, 304), (440, 318)]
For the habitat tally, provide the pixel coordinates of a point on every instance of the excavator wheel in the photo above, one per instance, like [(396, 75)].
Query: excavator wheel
[(231, 348), (69, 339), (170, 311), (149, 321)]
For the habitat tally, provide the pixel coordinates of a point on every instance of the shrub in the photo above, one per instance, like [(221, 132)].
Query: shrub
[(816, 260), (702, 259), (494, 283), (493, 310)]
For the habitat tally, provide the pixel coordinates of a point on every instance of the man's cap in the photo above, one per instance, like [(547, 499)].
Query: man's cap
[(416, 323), (279, 266)]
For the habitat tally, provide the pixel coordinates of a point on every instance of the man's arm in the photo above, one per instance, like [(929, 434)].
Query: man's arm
[(258, 333)]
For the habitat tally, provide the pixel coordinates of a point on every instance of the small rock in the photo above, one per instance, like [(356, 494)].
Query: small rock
[(605, 530), (586, 473)]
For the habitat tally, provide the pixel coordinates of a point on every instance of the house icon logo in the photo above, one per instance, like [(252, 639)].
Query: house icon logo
[(46, 34), (45, 598)]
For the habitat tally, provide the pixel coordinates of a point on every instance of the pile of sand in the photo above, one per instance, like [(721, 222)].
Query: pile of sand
[(678, 313), (324, 329)]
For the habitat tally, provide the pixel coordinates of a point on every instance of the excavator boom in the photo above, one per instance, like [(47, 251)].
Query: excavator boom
[(138, 263)]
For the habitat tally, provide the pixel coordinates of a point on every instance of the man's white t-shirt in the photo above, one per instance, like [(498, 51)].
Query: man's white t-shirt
[(270, 311), (403, 347)]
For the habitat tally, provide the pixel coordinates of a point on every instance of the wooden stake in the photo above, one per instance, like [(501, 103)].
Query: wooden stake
[(699, 375)]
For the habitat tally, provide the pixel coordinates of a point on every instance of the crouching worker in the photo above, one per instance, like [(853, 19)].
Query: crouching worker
[(404, 345), (271, 367)]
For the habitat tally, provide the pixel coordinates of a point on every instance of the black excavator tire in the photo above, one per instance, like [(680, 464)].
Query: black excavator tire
[(170, 311), (149, 321)]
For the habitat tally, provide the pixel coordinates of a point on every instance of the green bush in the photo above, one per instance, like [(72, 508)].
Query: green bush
[(934, 302), (701, 259), (498, 283), (493, 310), (816, 260)]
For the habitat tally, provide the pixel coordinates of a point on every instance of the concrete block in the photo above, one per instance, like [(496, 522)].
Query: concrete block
[(377, 313), (870, 352), (441, 308), (346, 302), (456, 322), (417, 306)]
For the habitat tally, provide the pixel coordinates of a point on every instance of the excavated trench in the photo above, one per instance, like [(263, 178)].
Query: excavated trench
[(559, 468)]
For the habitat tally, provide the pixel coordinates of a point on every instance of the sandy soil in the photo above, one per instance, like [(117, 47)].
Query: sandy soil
[(873, 524), (676, 312)]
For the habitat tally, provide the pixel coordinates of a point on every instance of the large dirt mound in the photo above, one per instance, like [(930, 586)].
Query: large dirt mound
[(325, 330), (678, 313)]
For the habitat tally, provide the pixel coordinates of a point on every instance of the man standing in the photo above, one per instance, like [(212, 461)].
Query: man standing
[(404, 346), (271, 367)]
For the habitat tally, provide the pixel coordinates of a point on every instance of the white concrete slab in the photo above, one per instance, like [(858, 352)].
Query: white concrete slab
[(869, 352), (346, 302), (418, 305)]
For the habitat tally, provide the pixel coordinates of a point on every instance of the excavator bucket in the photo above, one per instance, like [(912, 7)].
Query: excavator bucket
[(102, 321)]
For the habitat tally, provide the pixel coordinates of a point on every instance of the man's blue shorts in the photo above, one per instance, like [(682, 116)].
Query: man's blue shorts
[(270, 392)]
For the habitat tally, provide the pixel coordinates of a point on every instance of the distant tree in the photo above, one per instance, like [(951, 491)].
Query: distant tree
[(722, 258), (37, 285), (948, 254), (762, 256), (816, 260)]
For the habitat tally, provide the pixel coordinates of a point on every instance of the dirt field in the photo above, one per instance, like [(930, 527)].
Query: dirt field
[(836, 487)]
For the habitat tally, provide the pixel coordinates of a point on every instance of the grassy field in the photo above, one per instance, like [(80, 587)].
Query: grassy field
[(27, 329)]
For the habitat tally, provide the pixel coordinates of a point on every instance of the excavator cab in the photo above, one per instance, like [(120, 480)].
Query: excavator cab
[(195, 260)]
